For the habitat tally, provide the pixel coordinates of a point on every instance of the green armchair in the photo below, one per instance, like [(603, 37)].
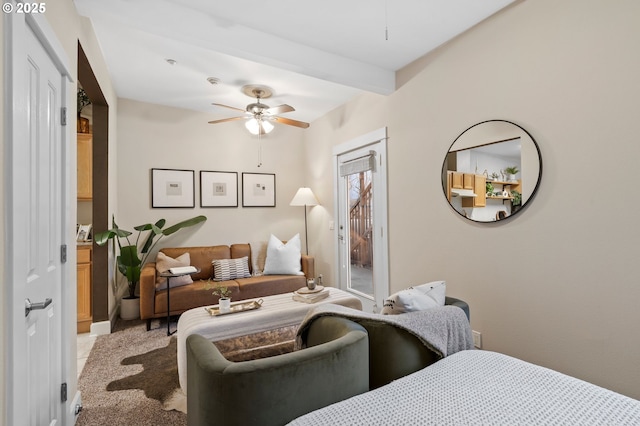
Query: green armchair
[(278, 389)]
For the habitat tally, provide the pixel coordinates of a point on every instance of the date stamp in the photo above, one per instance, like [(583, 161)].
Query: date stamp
[(29, 8)]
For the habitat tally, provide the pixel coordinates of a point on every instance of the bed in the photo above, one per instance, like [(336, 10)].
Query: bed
[(476, 387)]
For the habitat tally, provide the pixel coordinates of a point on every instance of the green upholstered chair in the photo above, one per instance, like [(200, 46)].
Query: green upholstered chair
[(395, 353), (276, 390)]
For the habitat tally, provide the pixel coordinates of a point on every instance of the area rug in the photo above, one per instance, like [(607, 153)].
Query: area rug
[(129, 376)]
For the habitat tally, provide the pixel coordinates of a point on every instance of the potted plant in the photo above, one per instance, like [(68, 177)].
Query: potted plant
[(489, 189), (83, 101), (223, 292), (511, 172), (133, 256), (517, 198)]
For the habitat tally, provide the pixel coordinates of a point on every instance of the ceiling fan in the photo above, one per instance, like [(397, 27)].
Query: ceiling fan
[(258, 115)]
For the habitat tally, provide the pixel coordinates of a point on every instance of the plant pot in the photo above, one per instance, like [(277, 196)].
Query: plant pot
[(83, 125), (130, 308), (224, 304)]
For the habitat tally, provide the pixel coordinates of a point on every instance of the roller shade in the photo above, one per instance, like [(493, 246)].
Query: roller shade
[(358, 165)]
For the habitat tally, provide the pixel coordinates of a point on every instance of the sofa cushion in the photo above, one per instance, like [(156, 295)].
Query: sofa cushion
[(415, 298), (201, 257), (283, 259), (230, 269), (164, 263)]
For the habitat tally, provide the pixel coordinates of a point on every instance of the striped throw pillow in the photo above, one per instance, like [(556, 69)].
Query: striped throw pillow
[(230, 269)]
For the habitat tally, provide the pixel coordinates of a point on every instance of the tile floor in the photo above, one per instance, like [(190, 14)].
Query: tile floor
[(85, 343)]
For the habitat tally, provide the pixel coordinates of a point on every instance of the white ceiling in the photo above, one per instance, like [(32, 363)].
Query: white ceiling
[(314, 55)]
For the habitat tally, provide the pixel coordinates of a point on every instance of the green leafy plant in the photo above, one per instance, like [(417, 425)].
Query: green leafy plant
[(495, 175), (517, 197), (133, 256), (512, 170), (489, 187), (218, 289), (83, 100)]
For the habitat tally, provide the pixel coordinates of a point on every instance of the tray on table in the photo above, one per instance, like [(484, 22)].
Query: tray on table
[(245, 305)]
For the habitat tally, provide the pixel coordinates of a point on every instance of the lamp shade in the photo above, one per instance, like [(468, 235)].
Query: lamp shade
[(304, 197)]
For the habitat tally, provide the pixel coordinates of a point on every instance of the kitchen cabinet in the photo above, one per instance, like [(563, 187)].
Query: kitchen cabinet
[(84, 267), (480, 190), (85, 166)]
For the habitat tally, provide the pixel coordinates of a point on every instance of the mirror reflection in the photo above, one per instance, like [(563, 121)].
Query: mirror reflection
[(491, 171)]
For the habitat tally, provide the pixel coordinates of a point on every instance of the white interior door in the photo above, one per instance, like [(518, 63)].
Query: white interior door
[(35, 230), (361, 200)]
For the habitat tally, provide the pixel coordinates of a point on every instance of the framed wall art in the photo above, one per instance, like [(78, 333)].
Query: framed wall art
[(258, 190), (218, 189), (172, 188)]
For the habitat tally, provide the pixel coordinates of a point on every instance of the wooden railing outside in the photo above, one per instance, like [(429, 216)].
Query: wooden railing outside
[(361, 225)]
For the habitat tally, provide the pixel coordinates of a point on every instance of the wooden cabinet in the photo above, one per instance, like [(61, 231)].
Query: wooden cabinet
[(456, 180), (480, 189), (85, 166), (468, 181), (84, 288)]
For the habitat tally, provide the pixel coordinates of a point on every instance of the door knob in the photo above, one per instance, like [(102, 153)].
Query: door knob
[(28, 306)]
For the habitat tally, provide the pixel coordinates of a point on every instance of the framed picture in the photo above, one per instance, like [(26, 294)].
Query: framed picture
[(83, 233), (218, 189), (258, 190), (172, 188)]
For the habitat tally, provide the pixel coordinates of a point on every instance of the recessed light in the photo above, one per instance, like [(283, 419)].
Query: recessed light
[(171, 61), (213, 80)]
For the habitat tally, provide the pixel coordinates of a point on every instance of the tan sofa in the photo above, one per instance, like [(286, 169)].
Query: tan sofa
[(153, 304)]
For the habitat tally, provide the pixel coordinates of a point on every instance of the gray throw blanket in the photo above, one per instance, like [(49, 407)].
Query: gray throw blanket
[(444, 330)]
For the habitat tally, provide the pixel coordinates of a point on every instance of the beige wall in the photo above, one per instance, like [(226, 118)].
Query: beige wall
[(557, 284), (154, 136)]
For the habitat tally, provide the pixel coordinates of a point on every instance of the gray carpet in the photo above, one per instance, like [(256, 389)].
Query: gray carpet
[(128, 375)]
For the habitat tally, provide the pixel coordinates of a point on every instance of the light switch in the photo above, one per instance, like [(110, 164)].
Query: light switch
[(331, 225)]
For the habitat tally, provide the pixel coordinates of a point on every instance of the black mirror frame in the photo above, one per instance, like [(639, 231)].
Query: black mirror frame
[(524, 204)]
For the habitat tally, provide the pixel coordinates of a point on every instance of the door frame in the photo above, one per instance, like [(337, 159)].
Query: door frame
[(14, 114), (381, 254)]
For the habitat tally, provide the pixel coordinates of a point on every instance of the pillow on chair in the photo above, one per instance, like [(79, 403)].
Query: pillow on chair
[(418, 298)]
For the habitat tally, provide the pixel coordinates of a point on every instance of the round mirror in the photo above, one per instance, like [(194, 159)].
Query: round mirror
[(492, 170)]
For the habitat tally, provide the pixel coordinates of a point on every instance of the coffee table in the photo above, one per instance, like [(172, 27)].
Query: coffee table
[(276, 312)]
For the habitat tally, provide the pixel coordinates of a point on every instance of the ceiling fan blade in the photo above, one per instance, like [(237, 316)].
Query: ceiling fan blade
[(291, 122), (226, 119), (280, 109), (230, 107)]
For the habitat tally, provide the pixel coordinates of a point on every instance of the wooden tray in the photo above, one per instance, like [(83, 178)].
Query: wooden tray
[(235, 307)]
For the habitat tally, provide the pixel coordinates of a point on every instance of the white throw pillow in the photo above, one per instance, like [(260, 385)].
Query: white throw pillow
[(418, 298), (164, 262), (258, 256), (230, 269), (283, 259)]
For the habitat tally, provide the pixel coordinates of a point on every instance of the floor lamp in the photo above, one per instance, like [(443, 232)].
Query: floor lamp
[(304, 197)]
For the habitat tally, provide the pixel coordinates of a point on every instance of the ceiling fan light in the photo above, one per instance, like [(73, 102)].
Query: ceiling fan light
[(256, 127), (252, 126), (266, 126)]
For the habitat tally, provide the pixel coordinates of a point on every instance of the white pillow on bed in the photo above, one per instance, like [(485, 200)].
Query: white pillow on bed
[(417, 298)]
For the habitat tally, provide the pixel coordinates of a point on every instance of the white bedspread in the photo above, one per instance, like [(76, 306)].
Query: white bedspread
[(481, 388)]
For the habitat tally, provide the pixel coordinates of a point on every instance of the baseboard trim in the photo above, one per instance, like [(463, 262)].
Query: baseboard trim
[(100, 328)]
